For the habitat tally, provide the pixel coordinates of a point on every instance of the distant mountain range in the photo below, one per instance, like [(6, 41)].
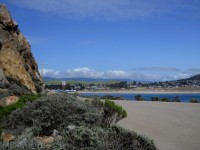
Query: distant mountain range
[(196, 77), (84, 79)]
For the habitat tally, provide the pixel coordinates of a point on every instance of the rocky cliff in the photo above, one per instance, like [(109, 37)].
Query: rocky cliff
[(18, 69)]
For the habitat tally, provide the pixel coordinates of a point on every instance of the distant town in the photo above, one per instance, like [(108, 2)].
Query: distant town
[(192, 83)]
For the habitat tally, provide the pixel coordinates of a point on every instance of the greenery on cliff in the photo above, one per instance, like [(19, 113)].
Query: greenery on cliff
[(71, 123)]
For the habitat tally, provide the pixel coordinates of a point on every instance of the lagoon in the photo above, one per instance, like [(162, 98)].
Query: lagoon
[(130, 96)]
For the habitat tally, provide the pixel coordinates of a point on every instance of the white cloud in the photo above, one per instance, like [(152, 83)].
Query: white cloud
[(86, 72), (193, 71), (182, 76), (50, 73), (107, 9), (83, 72), (117, 74)]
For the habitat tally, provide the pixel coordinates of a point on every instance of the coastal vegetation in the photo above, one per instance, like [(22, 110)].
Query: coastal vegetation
[(194, 101), (107, 96), (112, 112), (5, 111), (139, 98), (70, 123)]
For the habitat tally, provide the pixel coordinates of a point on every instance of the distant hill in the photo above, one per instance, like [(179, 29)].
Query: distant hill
[(196, 77), (193, 78)]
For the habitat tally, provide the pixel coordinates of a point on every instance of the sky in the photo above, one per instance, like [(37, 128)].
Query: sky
[(149, 40)]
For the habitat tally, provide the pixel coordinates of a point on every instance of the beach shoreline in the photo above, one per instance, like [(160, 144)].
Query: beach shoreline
[(139, 92)]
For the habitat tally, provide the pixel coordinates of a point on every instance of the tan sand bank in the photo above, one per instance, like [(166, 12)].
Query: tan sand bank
[(172, 126)]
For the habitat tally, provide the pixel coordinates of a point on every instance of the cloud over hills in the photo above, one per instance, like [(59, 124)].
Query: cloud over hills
[(86, 72)]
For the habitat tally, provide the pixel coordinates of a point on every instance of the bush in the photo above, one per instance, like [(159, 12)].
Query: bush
[(139, 98), (124, 139), (110, 111), (164, 99), (55, 112), (112, 97), (83, 137), (158, 99), (79, 125), (5, 111), (194, 101)]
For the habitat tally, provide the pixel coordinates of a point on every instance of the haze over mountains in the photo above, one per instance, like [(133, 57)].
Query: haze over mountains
[(193, 78)]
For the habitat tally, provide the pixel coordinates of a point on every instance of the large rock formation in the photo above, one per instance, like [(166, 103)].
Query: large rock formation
[(18, 68)]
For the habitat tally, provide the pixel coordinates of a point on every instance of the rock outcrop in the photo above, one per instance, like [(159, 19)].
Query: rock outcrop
[(18, 68), (8, 100)]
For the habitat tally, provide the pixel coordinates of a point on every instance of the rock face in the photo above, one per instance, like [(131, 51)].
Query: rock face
[(18, 68)]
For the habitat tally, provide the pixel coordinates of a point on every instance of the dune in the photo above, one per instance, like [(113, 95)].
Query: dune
[(172, 126)]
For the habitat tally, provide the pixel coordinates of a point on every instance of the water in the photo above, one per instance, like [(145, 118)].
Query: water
[(147, 97)]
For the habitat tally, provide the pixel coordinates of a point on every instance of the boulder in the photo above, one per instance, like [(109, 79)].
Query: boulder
[(6, 137), (45, 140), (8, 100)]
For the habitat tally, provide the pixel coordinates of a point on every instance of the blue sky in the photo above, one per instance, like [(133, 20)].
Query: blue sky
[(136, 39)]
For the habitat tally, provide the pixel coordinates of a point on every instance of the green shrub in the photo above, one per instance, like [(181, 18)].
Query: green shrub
[(158, 99), (139, 98), (110, 97), (164, 99), (194, 101), (111, 112)]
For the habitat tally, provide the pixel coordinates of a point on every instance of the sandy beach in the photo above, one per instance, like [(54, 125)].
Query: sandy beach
[(172, 126)]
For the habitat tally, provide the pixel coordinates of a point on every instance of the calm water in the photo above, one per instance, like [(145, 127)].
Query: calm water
[(147, 97)]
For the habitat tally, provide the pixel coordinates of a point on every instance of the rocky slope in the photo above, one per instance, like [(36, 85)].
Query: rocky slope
[(18, 69)]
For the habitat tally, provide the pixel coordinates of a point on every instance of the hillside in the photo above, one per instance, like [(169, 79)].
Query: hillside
[(196, 78)]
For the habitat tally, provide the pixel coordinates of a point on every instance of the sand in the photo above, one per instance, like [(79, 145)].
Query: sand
[(172, 126)]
